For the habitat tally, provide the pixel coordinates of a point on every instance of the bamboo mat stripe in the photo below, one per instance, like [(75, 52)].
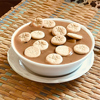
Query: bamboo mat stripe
[(15, 87)]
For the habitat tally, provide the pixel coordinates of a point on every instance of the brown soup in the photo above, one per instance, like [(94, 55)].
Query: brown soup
[(20, 46)]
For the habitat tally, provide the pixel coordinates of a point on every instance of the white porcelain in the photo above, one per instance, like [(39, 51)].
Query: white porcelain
[(19, 68), (52, 70)]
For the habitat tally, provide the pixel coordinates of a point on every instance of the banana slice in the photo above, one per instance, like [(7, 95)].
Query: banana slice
[(25, 36), (58, 40), (74, 27), (41, 44), (59, 30), (81, 49), (49, 23), (37, 22), (37, 34), (54, 58), (32, 52), (75, 36), (63, 50)]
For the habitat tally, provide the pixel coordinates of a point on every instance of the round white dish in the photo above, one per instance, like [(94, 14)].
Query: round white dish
[(49, 69), (19, 68)]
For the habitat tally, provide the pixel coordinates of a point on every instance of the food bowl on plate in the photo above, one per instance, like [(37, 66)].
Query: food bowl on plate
[(40, 64)]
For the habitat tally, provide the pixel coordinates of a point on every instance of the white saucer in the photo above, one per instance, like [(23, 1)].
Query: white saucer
[(18, 67)]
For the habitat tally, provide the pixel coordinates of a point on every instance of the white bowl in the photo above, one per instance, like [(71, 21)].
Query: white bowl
[(52, 70)]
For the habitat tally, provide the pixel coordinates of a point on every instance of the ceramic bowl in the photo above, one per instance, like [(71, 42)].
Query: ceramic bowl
[(47, 69)]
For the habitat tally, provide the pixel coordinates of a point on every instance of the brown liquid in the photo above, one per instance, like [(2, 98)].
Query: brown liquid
[(51, 49)]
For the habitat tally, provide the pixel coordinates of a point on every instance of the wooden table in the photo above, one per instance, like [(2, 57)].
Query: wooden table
[(14, 86), (5, 5)]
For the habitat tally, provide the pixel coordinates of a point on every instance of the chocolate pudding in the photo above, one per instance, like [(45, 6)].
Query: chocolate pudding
[(20, 46)]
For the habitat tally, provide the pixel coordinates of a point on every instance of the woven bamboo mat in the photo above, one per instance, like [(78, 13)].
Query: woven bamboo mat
[(15, 87)]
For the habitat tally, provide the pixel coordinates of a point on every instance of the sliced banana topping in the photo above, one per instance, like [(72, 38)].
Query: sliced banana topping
[(59, 30), (58, 40), (57, 36), (41, 44), (32, 52), (25, 36), (54, 58), (49, 23), (63, 50), (37, 34), (74, 27), (75, 36), (81, 49), (37, 22)]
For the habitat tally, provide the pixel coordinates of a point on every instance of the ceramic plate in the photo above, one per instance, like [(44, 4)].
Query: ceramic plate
[(18, 67)]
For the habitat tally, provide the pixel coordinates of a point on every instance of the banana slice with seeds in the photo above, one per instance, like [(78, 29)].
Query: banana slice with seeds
[(81, 49), (63, 50), (54, 58), (41, 44), (74, 27), (25, 36), (32, 52), (37, 34), (58, 40), (37, 22), (59, 30), (49, 23)]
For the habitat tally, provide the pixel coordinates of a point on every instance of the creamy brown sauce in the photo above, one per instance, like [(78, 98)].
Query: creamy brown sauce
[(51, 49)]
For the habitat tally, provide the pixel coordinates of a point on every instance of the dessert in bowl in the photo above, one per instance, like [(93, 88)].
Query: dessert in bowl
[(52, 46)]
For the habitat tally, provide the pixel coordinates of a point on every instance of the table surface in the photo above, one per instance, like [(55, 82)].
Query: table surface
[(6, 5), (14, 86)]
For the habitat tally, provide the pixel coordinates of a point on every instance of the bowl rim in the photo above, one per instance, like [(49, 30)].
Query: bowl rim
[(51, 65)]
